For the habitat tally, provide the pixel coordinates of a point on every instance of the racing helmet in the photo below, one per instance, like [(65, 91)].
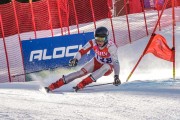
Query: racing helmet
[(101, 34)]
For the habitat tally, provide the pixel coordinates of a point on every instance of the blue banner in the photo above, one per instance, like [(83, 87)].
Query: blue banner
[(54, 52)]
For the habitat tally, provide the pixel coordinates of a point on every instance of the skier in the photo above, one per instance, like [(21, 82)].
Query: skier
[(102, 64)]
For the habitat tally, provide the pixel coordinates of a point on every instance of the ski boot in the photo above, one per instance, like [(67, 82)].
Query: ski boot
[(76, 88), (83, 83), (47, 89)]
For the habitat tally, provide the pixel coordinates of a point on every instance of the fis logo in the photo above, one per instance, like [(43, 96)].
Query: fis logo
[(59, 52)]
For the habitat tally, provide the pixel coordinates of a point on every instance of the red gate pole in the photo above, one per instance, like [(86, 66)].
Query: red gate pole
[(173, 26), (110, 17), (59, 15), (127, 19), (16, 19), (50, 19), (142, 4), (7, 60), (148, 42), (92, 10), (33, 20), (67, 17), (157, 7), (17, 25), (75, 13)]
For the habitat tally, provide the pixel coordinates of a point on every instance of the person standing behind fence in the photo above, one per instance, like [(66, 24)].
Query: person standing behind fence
[(102, 64)]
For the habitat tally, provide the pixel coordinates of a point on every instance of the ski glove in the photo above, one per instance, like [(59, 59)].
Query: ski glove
[(73, 62), (116, 80)]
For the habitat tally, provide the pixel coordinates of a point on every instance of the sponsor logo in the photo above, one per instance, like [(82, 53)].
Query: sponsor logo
[(103, 54), (59, 52)]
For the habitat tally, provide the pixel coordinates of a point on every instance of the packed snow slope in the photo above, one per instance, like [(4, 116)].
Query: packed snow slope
[(150, 94), (137, 100)]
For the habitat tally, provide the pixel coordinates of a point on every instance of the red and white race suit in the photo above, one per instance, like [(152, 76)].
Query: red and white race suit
[(102, 64)]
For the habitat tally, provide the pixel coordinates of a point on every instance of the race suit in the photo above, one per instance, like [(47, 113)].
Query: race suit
[(102, 64)]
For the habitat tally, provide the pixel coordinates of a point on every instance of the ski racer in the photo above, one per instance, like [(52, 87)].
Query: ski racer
[(102, 64)]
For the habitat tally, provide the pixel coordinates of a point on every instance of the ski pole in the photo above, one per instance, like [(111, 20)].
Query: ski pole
[(99, 85)]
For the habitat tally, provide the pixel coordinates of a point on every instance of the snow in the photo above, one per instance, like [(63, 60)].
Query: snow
[(150, 94), (152, 100)]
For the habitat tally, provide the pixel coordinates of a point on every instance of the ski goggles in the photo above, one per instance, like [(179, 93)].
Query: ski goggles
[(100, 39)]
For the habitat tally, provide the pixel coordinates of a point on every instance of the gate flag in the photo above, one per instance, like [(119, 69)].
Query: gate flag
[(159, 48)]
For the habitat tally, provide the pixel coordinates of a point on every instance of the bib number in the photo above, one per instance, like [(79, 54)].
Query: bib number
[(104, 60)]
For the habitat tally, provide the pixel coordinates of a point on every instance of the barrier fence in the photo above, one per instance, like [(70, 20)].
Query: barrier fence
[(127, 21)]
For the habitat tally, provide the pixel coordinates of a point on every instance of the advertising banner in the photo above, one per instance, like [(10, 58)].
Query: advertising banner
[(54, 52)]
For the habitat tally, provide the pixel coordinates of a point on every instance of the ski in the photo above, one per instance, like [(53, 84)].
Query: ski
[(99, 85), (45, 90)]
